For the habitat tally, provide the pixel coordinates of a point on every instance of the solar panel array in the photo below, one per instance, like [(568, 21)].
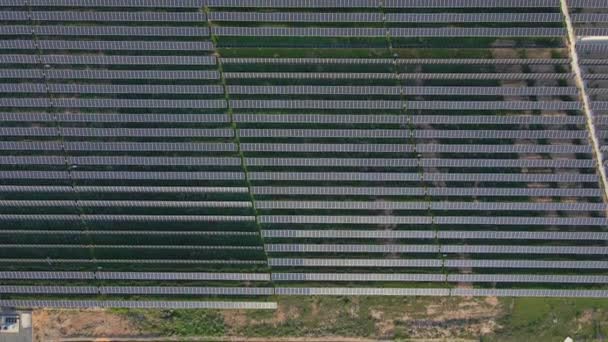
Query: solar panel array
[(591, 19), (118, 150), (220, 151)]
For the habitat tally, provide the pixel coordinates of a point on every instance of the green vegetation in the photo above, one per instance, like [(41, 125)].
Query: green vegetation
[(176, 322), (549, 319), (399, 318)]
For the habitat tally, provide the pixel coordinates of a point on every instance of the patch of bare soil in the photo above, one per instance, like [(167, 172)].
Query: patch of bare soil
[(447, 319), (53, 325)]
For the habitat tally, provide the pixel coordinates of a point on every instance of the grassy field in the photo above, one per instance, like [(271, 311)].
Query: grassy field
[(394, 318)]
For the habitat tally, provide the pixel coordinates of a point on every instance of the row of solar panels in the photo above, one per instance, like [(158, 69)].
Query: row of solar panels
[(319, 262), (135, 304), (130, 204), (211, 60), (297, 104), (291, 148), (307, 3), (128, 218), (353, 133), (344, 291), (363, 220), (410, 105), (125, 232), (113, 103), (324, 291), (394, 76), (400, 32), (306, 176), (116, 132), (130, 31), (358, 17), (283, 90), (420, 148), (290, 3), (390, 61), (211, 74), (138, 290), (296, 17), (386, 163), (427, 234), (144, 189), (360, 277), (132, 246), (110, 74), (490, 278), (106, 45), (407, 205), (308, 162), (317, 191), (430, 249), (449, 263), (135, 275), (185, 118), (314, 219), (96, 59), (121, 146), (292, 133), (325, 205), (302, 118)]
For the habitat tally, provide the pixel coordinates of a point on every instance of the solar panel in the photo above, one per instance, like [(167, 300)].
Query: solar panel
[(401, 133), (132, 74), (388, 61), (123, 189), (378, 17), (127, 218), (136, 304), (314, 219), (419, 191), (527, 278), (391, 76), (468, 3), (431, 148), (121, 45), (301, 262), (147, 146), (411, 177), (350, 291), (348, 248), (529, 293), (393, 90), (125, 60), (56, 30), (125, 204), (160, 161), (426, 234), (110, 3), (20, 275), (402, 119), (357, 277), (420, 205), (412, 105), (372, 4), (135, 89), (186, 290), (182, 276), (554, 264), (114, 16)]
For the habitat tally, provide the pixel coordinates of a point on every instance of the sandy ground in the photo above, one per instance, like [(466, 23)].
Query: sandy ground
[(465, 317)]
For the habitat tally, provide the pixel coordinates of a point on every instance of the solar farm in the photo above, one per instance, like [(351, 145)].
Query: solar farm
[(220, 153)]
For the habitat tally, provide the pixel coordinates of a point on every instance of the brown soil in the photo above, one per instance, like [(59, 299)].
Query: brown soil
[(52, 325)]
